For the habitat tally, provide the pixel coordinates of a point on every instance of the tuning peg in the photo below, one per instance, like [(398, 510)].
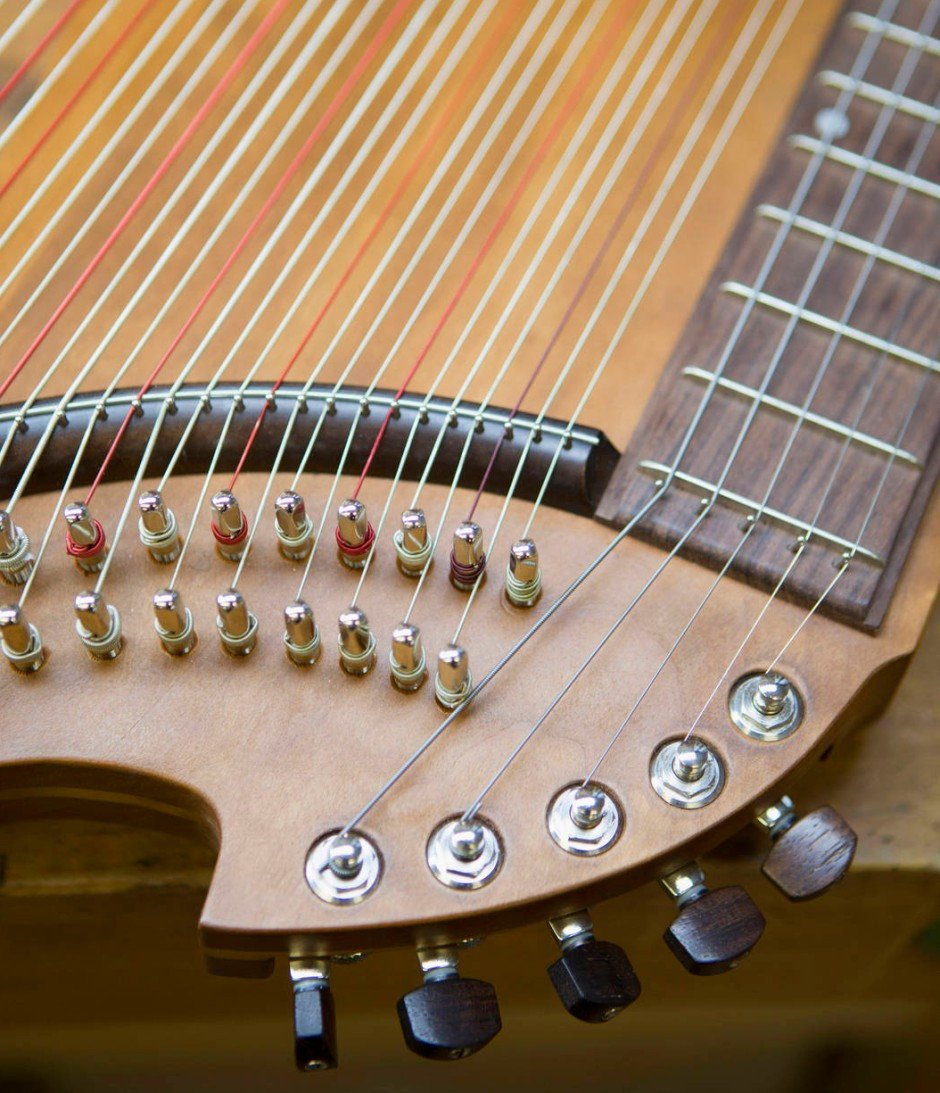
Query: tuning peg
[(809, 855), (594, 979), (314, 1014), (448, 1017), (714, 930)]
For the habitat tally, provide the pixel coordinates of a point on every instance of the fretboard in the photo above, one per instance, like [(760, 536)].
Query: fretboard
[(804, 392)]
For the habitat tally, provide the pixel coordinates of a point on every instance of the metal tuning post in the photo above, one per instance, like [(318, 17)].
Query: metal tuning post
[(407, 661), (173, 623), (523, 574), (809, 854), (158, 529), (314, 1014), (301, 634), (229, 526), (293, 527), (238, 627), (85, 539), (448, 1017), (98, 626), (714, 930), (594, 979), (468, 558), (20, 640), (355, 536), (16, 561), (356, 643), (453, 680), (413, 545)]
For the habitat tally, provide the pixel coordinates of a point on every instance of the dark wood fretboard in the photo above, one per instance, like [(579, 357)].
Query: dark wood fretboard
[(805, 388)]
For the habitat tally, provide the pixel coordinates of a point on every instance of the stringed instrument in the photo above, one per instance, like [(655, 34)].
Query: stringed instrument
[(353, 516)]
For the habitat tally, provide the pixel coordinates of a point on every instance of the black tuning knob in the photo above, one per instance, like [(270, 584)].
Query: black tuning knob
[(809, 854), (314, 1015), (448, 1017), (714, 930), (594, 979)]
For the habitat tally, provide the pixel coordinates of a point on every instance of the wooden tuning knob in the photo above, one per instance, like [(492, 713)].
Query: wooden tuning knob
[(314, 1015), (448, 1017), (714, 930), (809, 855), (594, 979)]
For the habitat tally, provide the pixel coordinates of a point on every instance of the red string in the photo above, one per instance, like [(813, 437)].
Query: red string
[(237, 65), (420, 156), (640, 181), (40, 48), (77, 94), (291, 170), (529, 173)]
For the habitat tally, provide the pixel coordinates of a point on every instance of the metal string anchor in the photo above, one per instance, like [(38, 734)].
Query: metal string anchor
[(293, 527), (158, 529), (355, 536), (173, 623), (16, 561), (407, 660), (85, 539), (229, 526), (468, 558), (523, 574), (412, 543), (98, 626), (20, 640)]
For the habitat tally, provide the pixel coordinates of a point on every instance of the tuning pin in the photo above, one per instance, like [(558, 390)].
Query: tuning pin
[(229, 526), (85, 539), (173, 623), (238, 627), (810, 854), (301, 634), (453, 680), (407, 661), (158, 530), (292, 525), (354, 534), (714, 930), (523, 574), (448, 1017), (98, 625), (413, 545), (356, 643), (594, 979), (314, 1014), (467, 559), (20, 640), (16, 561)]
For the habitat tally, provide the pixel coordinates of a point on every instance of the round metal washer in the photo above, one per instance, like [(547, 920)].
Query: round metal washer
[(456, 873), (331, 888), (673, 790), (580, 840), (768, 728)]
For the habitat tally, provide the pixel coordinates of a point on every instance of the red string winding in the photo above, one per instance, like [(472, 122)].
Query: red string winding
[(39, 48)]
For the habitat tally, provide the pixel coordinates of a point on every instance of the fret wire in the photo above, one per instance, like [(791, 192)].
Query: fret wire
[(19, 21), (871, 166), (63, 67), (861, 64), (853, 242), (181, 234), (902, 103), (104, 155), (904, 36)]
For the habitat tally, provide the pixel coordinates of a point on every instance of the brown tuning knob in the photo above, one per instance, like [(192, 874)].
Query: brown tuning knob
[(594, 979), (809, 854), (714, 930)]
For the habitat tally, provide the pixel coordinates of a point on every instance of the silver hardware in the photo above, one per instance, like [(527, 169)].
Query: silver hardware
[(765, 707), (343, 870), (453, 680), (158, 529), (777, 818), (98, 626), (831, 124), (412, 543), (228, 523), (16, 561), (173, 623), (20, 640), (407, 660), (439, 962), (687, 773), (356, 643), (523, 574), (584, 820), (464, 855), (85, 534), (572, 930), (301, 634), (353, 526), (894, 32), (238, 627), (306, 969), (685, 885), (468, 556), (292, 525)]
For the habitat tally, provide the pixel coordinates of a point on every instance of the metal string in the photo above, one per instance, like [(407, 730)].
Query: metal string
[(37, 51), (20, 20)]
